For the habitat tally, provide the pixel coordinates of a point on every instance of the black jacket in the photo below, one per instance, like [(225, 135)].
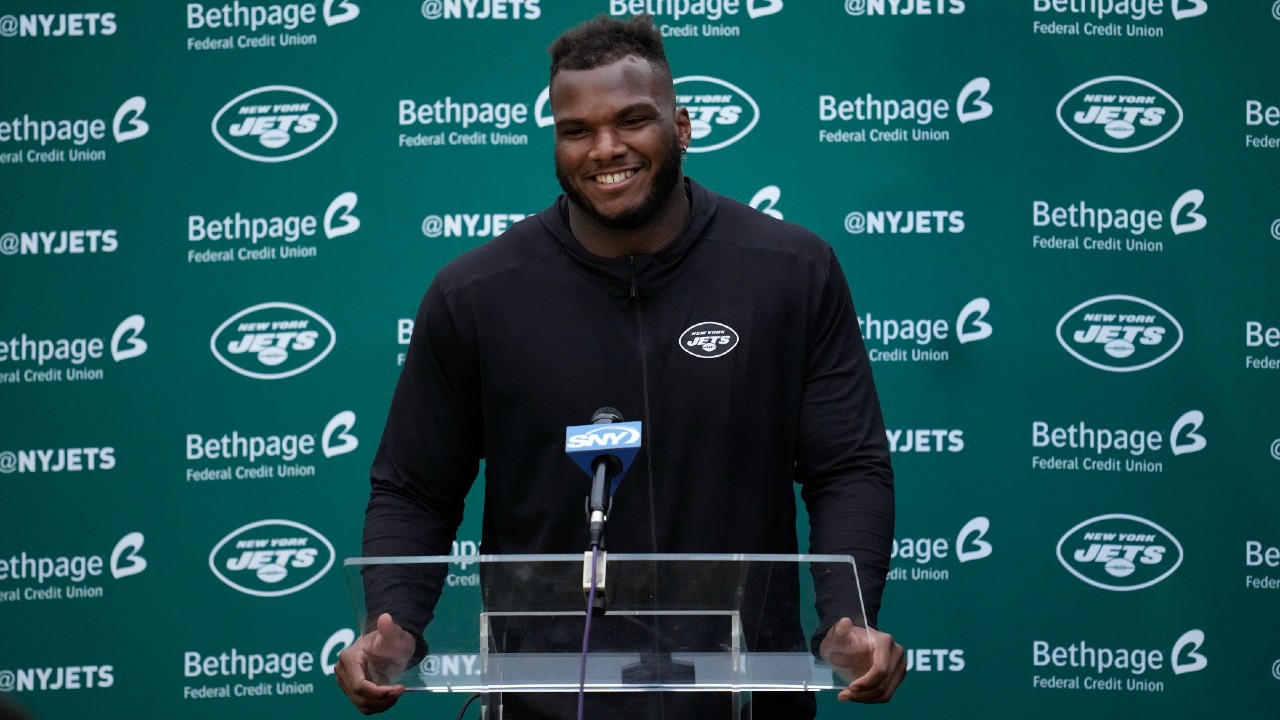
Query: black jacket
[(528, 334)]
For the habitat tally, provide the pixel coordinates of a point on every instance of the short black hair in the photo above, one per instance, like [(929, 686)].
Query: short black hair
[(605, 40)]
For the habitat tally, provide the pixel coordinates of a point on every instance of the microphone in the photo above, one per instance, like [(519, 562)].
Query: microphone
[(604, 450), (603, 468)]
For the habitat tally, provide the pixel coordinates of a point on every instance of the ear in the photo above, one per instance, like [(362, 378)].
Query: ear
[(684, 130)]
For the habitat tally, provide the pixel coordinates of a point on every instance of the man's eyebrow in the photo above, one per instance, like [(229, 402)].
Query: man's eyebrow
[(638, 107), (644, 107)]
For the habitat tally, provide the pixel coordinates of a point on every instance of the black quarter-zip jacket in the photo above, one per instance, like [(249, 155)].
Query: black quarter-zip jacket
[(530, 333)]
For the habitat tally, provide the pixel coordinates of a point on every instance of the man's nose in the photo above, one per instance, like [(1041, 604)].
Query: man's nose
[(608, 144)]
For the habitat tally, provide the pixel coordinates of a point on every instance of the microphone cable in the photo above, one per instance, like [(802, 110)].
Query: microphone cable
[(586, 632), (467, 704)]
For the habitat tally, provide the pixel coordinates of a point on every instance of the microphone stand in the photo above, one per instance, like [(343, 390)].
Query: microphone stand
[(595, 560)]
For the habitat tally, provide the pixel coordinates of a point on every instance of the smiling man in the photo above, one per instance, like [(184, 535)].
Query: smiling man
[(731, 335), (620, 140)]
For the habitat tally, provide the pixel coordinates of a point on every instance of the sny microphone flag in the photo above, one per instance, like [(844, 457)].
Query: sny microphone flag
[(586, 443)]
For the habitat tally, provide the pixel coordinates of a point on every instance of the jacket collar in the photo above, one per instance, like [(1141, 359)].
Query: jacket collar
[(638, 275)]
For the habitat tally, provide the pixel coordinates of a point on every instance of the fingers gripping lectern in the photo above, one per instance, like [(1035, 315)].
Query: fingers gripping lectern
[(704, 631)]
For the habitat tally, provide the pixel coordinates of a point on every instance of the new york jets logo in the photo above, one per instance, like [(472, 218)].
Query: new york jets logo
[(1119, 552), (1119, 114), (720, 113), (1119, 333), (274, 123), (272, 340), (709, 340), (270, 558)]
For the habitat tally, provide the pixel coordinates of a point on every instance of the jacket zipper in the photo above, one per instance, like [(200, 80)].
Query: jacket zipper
[(648, 446), (644, 389)]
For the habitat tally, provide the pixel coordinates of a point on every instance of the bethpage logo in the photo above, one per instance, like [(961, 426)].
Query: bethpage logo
[(274, 123), (481, 9), (904, 222), (1112, 669), (69, 359), (887, 116), (1259, 335), (257, 559), (268, 26), (404, 332), (766, 201), (69, 577), (922, 335), (472, 123), (59, 242), (80, 138), (917, 8), (699, 18), (922, 555), (261, 674), (1119, 333), (469, 225), (1256, 115), (58, 25), (1119, 114), (254, 457), (241, 237), (1104, 18), (1119, 552), (1258, 556), (272, 340), (1107, 229), (1106, 449), (466, 552)]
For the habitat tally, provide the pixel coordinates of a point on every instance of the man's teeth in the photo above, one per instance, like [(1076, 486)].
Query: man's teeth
[(614, 177)]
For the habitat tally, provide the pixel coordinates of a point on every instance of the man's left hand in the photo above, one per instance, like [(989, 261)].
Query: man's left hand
[(871, 660)]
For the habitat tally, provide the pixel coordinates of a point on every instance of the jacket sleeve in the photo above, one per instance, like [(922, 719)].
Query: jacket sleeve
[(424, 465), (842, 460)]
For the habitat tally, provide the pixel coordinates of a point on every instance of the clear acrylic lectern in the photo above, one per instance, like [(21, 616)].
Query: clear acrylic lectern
[(676, 623)]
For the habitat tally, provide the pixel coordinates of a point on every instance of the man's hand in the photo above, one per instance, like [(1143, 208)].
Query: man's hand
[(875, 671), (371, 662)]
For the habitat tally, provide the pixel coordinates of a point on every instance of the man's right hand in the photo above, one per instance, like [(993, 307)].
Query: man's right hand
[(376, 658)]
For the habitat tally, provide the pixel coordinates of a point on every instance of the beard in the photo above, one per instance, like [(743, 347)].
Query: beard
[(664, 183)]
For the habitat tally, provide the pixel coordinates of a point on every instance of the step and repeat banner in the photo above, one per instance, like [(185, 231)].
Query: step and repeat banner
[(1060, 220)]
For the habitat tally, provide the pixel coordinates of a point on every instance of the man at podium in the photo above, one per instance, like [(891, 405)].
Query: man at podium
[(730, 334)]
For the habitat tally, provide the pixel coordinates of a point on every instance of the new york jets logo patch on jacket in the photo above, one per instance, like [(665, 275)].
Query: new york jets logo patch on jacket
[(709, 340)]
